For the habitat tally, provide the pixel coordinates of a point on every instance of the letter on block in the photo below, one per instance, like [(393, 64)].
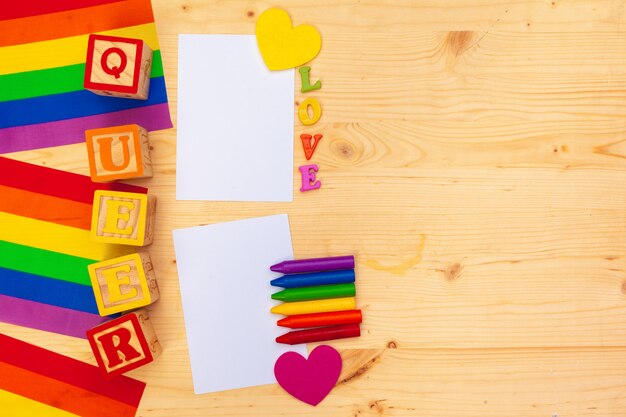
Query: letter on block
[(124, 283), (118, 152), (118, 67), (125, 343), (123, 218)]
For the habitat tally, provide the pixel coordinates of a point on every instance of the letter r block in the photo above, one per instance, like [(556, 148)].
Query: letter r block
[(123, 344), (118, 67), (118, 152), (124, 283), (123, 218)]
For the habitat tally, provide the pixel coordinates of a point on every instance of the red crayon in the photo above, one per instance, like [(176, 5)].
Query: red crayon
[(333, 318), (320, 334)]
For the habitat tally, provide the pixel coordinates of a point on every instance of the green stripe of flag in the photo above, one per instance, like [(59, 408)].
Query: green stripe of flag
[(54, 80), (44, 263)]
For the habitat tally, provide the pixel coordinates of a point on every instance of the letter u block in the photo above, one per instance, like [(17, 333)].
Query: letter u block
[(118, 152), (123, 218), (124, 283), (125, 343), (118, 67)]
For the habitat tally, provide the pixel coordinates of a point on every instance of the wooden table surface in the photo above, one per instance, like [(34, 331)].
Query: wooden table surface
[(474, 161)]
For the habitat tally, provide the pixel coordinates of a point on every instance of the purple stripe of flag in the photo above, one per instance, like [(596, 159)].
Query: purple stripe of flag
[(47, 317)]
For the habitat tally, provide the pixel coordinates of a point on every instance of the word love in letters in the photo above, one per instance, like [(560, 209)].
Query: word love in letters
[(284, 46), (118, 67)]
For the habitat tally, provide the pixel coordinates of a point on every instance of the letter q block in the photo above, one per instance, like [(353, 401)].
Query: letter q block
[(118, 152), (123, 218), (124, 344), (118, 67), (124, 283)]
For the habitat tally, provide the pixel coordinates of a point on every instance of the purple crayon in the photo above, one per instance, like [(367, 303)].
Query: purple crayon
[(314, 265)]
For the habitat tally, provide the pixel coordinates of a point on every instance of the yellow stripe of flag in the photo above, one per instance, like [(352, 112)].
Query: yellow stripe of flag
[(13, 405), (56, 238), (65, 51)]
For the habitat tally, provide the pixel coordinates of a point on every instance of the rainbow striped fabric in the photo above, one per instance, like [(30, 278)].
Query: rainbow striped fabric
[(43, 47), (36, 382), (45, 247)]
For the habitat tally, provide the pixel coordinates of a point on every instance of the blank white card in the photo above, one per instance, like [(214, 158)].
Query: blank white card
[(235, 122), (224, 277)]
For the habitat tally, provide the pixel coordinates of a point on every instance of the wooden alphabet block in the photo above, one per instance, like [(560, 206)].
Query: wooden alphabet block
[(118, 67), (118, 152), (125, 343), (123, 283), (123, 218)]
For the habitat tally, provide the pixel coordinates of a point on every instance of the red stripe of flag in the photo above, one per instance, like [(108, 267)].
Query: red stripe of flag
[(55, 182)]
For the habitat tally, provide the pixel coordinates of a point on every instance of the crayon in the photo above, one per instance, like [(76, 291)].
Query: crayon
[(344, 276), (315, 293), (320, 334), (333, 318), (316, 306), (314, 265)]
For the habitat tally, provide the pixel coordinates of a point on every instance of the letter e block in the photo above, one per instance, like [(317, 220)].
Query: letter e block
[(118, 152), (123, 218), (118, 67), (124, 283), (125, 343)]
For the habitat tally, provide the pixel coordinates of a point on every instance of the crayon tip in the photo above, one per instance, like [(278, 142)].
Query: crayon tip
[(276, 282), (278, 296), (274, 310), (283, 339), (284, 322), (277, 267)]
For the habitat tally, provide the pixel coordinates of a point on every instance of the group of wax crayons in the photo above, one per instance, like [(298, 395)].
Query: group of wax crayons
[(318, 297)]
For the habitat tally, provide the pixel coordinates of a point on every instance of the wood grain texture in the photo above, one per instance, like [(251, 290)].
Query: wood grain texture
[(473, 160)]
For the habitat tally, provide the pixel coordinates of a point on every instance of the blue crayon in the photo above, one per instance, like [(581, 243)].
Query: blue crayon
[(317, 278)]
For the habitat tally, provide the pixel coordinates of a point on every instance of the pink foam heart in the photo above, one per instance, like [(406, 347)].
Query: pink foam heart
[(309, 380)]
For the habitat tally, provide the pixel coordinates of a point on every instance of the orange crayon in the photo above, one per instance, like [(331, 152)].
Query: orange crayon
[(332, 318)]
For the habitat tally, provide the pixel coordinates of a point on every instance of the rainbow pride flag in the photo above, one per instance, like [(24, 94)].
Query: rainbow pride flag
[(43, 47), (35, 382), (45, 247)]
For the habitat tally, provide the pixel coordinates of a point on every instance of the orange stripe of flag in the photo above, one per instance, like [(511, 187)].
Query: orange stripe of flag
[(60, 394), (75, 22), (45, 207)]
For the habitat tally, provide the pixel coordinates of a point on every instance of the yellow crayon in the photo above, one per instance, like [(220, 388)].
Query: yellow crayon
[(316, 306)]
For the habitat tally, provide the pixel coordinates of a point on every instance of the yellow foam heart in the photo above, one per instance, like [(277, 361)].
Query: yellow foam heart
[(283, 46)]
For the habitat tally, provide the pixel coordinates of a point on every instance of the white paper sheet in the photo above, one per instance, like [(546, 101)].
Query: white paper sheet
[(235, 122), (224, 277)]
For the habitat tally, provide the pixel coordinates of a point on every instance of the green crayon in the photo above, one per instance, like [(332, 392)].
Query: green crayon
[(315, 293)]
